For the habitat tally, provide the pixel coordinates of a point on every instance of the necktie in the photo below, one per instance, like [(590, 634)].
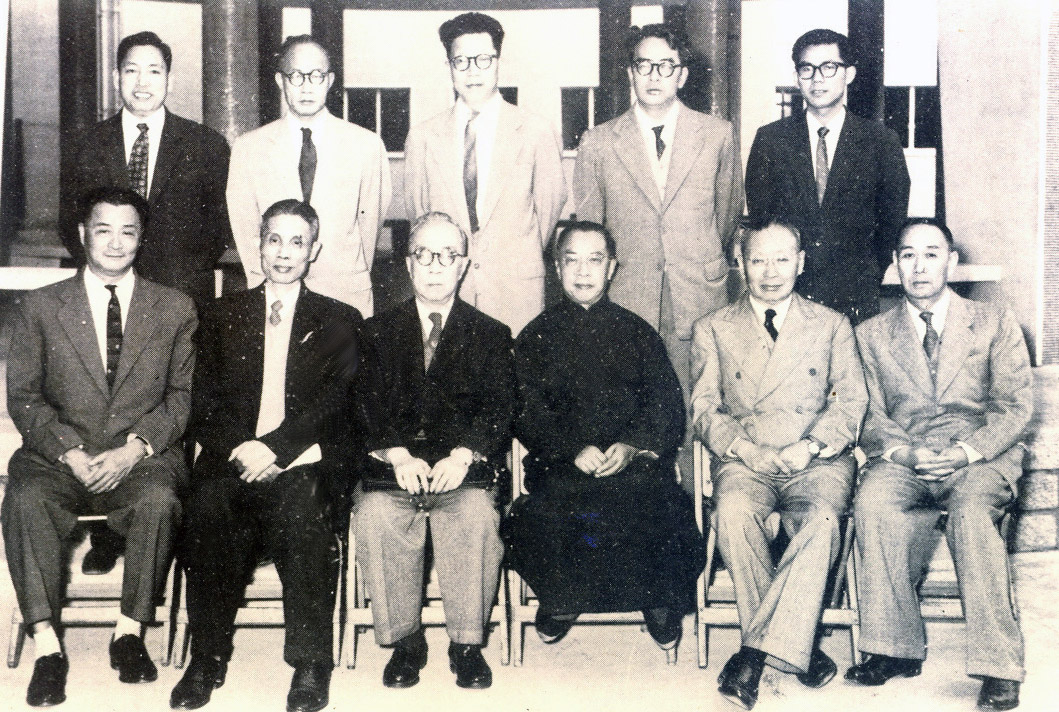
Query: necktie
[(770, 314), (470, 170), (307, 164), (660, 145), (821, 164), (137, 168), (113, 334), (274, 318), (432, 339), (930, 338)]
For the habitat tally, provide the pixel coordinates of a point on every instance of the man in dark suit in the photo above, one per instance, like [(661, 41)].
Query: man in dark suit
[(178, 166), (840, 178), (99, 386), (444, 400), (272, 413)]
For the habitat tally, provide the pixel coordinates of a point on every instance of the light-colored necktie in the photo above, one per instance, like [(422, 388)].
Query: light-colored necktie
[(930, 338), (433, 338), (470, 169), (274, 318), (137, 168), (821, 164)]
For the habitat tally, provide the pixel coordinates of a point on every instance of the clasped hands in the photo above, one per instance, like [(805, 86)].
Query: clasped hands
[(255, 461), (415, 476), (930, 465), (770, 461), (106, 470), (593, 461)]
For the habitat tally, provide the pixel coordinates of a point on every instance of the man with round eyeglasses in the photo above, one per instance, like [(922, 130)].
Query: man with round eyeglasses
[(495, 169), (339, 168)]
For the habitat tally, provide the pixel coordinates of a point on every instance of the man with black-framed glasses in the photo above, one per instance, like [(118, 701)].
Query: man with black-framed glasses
[(495, 169), (339, 168), (841, 179)]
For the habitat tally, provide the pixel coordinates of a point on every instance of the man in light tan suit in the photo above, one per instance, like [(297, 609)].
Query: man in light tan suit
[(339, 168), (950, 394), (495, 169), (779, 396)]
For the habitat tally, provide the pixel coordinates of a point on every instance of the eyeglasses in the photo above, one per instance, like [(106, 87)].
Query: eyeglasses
[(665, 68), (827, 69), (426, 257), (482, 61), (317, 76)]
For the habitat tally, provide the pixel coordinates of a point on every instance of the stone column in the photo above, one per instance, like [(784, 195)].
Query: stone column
[(229, 66), (712, 28), (327, 30), (612, 96)]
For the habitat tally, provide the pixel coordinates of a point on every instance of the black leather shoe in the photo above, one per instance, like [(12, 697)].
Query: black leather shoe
[(877, 669), (551, 629), (409, 657), (203, 676), (738, 681), (998, 694), (47, 687), (664, 626), (129, 657), (309, 686), (99, 560), (470, 667), (822, 670)]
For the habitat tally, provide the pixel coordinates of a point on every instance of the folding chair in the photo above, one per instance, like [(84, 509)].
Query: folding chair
[(715, 592), (523, 603), (96, 600)]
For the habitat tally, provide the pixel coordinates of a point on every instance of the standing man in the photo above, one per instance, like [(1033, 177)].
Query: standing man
[(99, 387), (495, 169), (445, 399), (779, 397), (178, 166), (950, 394), (665, 181), (276, 418), (840, 178), (337, 167)]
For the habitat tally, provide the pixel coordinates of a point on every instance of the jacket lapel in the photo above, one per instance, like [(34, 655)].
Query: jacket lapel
[(907, 349), (443, 154), (802, 161), (846, 152), (506, 148), (139, 327), (113, 150), (687, 145), (76, 319), (799, 333), (629, 146), (750, 347), (451, 338), (956, 341), (168, 155)]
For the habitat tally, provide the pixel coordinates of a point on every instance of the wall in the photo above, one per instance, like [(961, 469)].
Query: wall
[(179, 24)]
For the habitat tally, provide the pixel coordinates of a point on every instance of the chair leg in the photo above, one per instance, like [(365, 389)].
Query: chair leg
[(671, 656), (853, 595), (704, 643), (18, 637), (352, 633), (167, 642), (180, 644), (519, 642), (505, 620)]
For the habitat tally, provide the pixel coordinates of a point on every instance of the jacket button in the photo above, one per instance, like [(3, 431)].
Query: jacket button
[(476, 265), (738, 374)]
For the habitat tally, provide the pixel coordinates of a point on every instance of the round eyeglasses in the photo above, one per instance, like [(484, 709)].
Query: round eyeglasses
[(482, 61), (426, 257), (827, 69), (665, 68), (317, 76)]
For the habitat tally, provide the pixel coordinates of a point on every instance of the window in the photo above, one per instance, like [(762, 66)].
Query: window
[(789, 101), (914, 113), (384, 111), (578, 110)]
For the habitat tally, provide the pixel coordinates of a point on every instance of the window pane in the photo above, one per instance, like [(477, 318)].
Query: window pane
[(575, 115), (896, 99), (928, 117), (360, 104), (394, 117)]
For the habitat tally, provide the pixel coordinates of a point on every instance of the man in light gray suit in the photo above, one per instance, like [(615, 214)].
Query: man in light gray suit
[(950, 394), (779, 396)]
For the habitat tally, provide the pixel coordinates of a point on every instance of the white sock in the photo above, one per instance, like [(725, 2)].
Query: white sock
[(45, 641), (127, 626)]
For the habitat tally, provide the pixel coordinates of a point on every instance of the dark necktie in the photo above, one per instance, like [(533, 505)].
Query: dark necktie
[(821, 164), (660, 145), (274, 318), (930, 338), (470, 170), (307, 164), (770, 314), (137, 168), (432, 340), (113, 334)]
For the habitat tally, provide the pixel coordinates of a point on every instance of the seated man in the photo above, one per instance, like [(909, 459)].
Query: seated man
[(272, 412), (444, 403), (99, 386), (949, 389), (778, 398), (605, 527)]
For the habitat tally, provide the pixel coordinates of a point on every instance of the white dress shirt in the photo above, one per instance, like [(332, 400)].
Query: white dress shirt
[(780, 309), (425, 310), (317, 125), (155, 122), (485, 138), (99, 301), (834, 129), (659, 166)]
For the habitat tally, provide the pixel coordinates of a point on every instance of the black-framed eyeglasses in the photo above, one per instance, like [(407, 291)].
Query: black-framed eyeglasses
[(317, 76), (426, 257), (665, 68), (482, 61), (827, 70)]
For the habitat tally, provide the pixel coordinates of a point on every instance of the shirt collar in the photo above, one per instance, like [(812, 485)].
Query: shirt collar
[(286, 311), (317, 124), (780, 309), (124, 285), (154, 122), (938, 313), (834, 126), (669, 121), (425, 310), (489, 111)]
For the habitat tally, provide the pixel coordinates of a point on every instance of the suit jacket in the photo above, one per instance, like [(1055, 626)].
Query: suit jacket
[(682, 236), (187, 229), (523, 200), (351, 194), (57, 391), (465, 399), (325, 359), (982, 396), (849, 238), (808, 383)]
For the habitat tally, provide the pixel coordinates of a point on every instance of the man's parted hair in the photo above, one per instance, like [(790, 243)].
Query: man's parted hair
[(113, 195), (583, 226), (141, 39), (755, 224), (293, 41), (470, 23), (935, 223), (821, 36), (435, 216), (292, 206), (662, 31)]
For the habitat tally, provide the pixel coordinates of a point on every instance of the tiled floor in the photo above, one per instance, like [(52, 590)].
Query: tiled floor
[(595, 668)]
